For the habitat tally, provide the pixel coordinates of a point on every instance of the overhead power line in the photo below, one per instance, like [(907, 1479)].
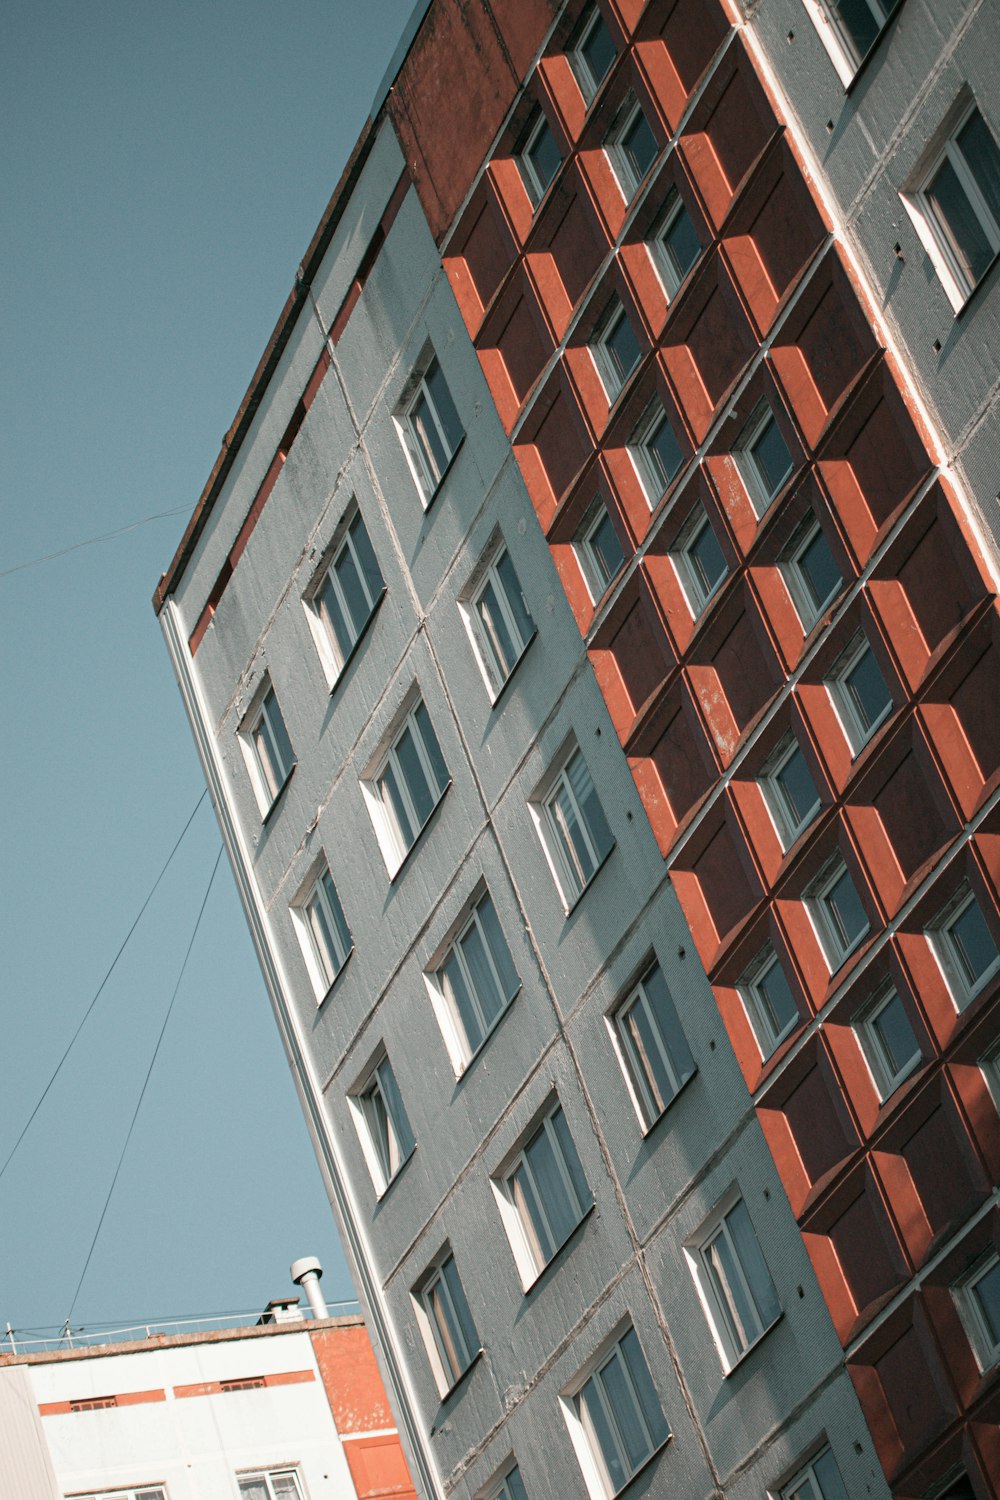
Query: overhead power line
[(100, 987), (91, 541)]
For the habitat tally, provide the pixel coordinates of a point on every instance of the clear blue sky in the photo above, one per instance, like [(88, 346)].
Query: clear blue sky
[(164, 168)]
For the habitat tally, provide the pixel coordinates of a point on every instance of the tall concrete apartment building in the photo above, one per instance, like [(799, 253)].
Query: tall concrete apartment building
[(589, 633)]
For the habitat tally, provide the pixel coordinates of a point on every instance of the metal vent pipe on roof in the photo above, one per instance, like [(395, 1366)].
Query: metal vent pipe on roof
[(306, 1274)]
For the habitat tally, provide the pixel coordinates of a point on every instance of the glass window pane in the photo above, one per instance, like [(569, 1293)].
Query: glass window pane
[(639, 146), (445, 407), (355, 598), (598, 50), (606, 549), (858, 23), (394, 1106), (895, 1035), (498, 947), (771, 456), (429, 740), (602, 1436), (972, 246), (776, 994), (389, 793), (982, 154), (623, 348), (973, 941), (867, 690), (545, 156), (680, 243), (987, 1296), (370, 571), (753, 1263), (628, 1418), (481, 973), (707, 559), (334, 617), (642, 1384), (523, 623), (818, 570), (586, 796), (664, 452), (849, 915)]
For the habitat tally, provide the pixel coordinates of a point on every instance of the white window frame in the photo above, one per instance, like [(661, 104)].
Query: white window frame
[(575, 1403), (790, 563), (698, 592), (961, 986), (672, 1055), (462, 1047), (567, 864), (255, 1476), (442, 1281), (621, 163), (933, 234), (487, 643), (650, 469), (612, 379), (525, 1212), (885, 1076), (387, 1143), (137, 1492), (332, 653), (833, 939), (735, 1333), (787, 823), (389, 831), (671, 278), (428, 472), (582, 70), (591, 565), (856, 731), (825, 1485), (989, 1066), (269, 775), (321, 928), (757, 485), (985, 1345), (749, 987), (509, 1487), (837, 40), (533, 184)]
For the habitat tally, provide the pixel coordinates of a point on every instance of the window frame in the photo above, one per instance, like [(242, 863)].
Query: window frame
[(857, 731), (428, 472), (827, 923), (324, 965), (130, 1492), (839, 45), (448, 1371), (698, 593), (797, 581), (613, 380), (590, 559), (535, 188), (526, 1214), (503, 1488), (387, 1143), (268, 774), (486, 643), (567, 870), (385, 820), (985, 1346), (635, 1373), (808, 1473), (621, 162), (332, 653), (788, 826), (754, 479), (268, 1475), (669, 273), (645, 457), (645, 1088), (756, 1005), (961, 987), (933, 232), (461, 1048), (874, 1050), (583, 73), (719, 1300)]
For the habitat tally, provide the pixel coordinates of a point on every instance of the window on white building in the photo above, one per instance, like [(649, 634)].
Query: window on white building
[(964, 946), (386, 1137), (859, 693), (572, 825), (267, 750), (700, 562), (270, 1484), (652, 1046), (631, 146), (405, 784), (616, 1420), (615, 349), (810, 572), (429, 426), (789, 790), (954, 203), (763, 458), (849, 29), (978, 1297), (837, 913), (322, 930), (598, 550), (345, 597), (144, 1492), (819, 1479), (446, 1322), (733, 1280), (887, 1039), (475, 983), (539, 158), (768, 1001), (655, 452), (498, 619), (511, 1487), (675, 244), (542, 1194)]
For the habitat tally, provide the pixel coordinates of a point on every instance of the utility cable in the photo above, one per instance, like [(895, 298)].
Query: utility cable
[(90, 541), (100, 987), (142, 1092)]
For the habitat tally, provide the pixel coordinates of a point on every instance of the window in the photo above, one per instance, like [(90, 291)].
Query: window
[(675, 244), (498, 620), (476, 981), (144, 1492), (655, 452), (406, 785), (615, 349), (598, 550), (849, 29), (789, 791), (387, 1139), (734, 1282), (886, 1038), (652, 1047), (511, 1487), (632, 147), (955, 206), (810, 572), (618, 1415), (819, 1480), (990, 1065), (965, 947), (859, 693), (768, 1000), (275, 1484), (322, 930), (573, 827), (978, 1298), (449, 1332), (539, 158), (837, 913), (268, 751), (543, 1195), (763, 458), (592, 55), (346, 596), (430, 429), (699, 560)]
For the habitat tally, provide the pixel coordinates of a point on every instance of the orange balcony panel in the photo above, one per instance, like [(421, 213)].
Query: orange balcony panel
[(672, 764), (706, 345), (480, 256), (806, 1103), (632, 655), (566, 255), (514, 345), (942, 1312), (903, 1388), (661, 568), (714, 872), (729, 129), (733, 671), (855, 1252), (675, 57), (552, 447), (960, 712), (841, 1034)]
